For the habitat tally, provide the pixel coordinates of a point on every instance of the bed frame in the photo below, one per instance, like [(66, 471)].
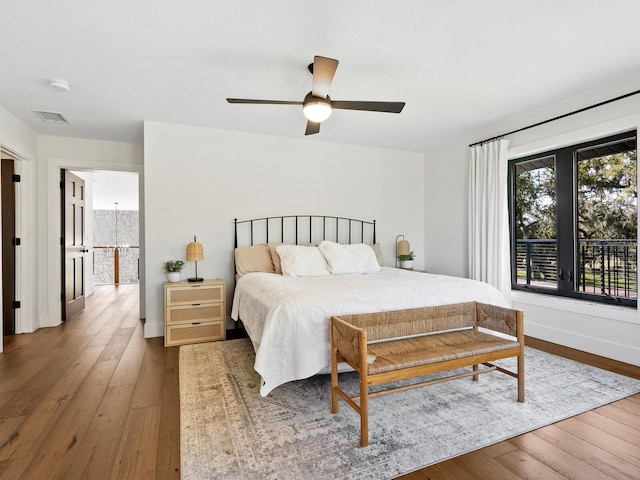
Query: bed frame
[(303, 229)]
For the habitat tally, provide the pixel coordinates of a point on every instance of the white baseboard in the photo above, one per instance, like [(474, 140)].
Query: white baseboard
[(152, 330), (596, 346)]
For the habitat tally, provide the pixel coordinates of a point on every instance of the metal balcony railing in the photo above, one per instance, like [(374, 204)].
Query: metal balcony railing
[(607, 267), (115, 265), (536, 262)]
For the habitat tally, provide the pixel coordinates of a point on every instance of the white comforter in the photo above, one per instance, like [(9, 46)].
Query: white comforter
[(287, 318)]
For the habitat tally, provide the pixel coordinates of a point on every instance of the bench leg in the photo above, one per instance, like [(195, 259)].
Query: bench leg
[(521, 377), (334, 380), (475, 377), (364, 412)]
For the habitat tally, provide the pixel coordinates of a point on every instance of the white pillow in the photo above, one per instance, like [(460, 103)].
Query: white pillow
[(343, 259), (378, 251), (302, 261)]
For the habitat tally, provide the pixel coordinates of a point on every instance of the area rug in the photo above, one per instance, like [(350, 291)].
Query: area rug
[(228, 431)]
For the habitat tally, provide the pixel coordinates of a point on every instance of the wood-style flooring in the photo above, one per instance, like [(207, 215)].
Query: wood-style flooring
[(93, 399), (601, 444)]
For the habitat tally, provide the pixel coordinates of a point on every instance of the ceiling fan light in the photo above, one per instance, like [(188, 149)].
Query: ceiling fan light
[(317, 111)]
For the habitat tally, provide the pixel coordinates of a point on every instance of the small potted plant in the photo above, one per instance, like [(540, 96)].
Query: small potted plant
[(173, 269), (406, 261)]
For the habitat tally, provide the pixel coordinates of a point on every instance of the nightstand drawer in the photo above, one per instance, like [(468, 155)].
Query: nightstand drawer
[(190, 333), (189, 295), (195, 313)]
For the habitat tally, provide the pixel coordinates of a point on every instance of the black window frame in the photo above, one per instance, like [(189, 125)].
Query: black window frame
[(566, 221)]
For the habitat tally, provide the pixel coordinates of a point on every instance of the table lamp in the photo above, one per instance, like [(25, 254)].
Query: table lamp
[(195, 253)]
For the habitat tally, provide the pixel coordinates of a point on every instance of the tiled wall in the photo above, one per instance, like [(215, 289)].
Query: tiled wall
[(104, 234)]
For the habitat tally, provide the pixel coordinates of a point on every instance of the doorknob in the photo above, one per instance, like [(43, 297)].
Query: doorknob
[(84, 250)]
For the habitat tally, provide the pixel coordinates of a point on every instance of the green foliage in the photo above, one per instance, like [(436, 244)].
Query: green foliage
[(535, 205), (606, 196), (404, 258), (173, 266)]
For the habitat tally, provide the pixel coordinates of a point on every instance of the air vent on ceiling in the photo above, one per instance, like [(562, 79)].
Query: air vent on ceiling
[(56, 117)]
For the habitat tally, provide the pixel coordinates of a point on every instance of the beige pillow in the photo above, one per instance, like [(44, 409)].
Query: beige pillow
[(256, 258), (275, 258)]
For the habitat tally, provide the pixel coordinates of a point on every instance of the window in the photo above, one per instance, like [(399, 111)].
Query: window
[(573, 218)]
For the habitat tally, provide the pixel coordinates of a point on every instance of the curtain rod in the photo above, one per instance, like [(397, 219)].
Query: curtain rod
[(557, 118)]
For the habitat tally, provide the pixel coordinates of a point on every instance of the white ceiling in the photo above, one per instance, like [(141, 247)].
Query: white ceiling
[(460, 65), (110, 187)]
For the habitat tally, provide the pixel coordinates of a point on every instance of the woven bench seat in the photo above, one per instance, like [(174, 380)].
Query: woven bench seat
[(388, 346), (412, 352)]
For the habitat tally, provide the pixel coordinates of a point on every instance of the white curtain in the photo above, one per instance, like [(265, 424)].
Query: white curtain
[(489, 251)]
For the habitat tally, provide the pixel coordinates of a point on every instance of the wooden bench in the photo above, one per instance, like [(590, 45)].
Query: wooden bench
[(387, 346)]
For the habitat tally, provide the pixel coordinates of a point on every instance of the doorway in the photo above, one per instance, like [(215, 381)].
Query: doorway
[(110, 232)]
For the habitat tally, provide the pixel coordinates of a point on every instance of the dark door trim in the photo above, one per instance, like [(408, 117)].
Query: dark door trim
[(9, 243)]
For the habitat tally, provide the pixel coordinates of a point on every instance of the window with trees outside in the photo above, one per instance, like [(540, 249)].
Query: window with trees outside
[(573, 218)]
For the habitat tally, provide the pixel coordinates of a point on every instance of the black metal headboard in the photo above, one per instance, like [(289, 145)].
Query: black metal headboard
[(304, 229)]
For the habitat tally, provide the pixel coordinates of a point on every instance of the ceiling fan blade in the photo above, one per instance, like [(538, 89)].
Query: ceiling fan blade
[(323, 71), (263, 102), (312, 128), (389, 107)]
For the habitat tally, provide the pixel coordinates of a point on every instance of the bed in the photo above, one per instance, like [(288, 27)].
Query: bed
[(286, 308)]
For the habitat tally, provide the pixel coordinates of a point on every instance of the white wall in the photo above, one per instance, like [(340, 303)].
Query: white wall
[(197, 180), (17, 136), (21, 140), (604, 330), (446, 210), (54, 154)]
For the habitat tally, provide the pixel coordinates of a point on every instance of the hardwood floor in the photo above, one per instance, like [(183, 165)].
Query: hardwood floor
[(93, 399), (601, 444), (90, 399)]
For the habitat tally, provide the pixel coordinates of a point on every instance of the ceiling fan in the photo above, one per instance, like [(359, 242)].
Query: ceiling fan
[(317, 105)]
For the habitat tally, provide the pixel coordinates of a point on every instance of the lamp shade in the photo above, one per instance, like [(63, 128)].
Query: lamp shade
[(404, 248), (195, 252)]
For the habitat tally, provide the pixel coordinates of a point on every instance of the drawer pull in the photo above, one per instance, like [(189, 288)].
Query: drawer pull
[(196, 323), (195, 304)]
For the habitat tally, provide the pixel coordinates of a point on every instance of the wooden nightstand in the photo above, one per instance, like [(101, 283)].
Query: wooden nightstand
[(194, 312)]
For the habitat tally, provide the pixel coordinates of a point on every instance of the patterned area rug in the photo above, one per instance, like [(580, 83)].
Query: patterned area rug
[(228, 431)]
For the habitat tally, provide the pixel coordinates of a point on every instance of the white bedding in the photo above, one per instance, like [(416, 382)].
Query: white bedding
[(287, 318)]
